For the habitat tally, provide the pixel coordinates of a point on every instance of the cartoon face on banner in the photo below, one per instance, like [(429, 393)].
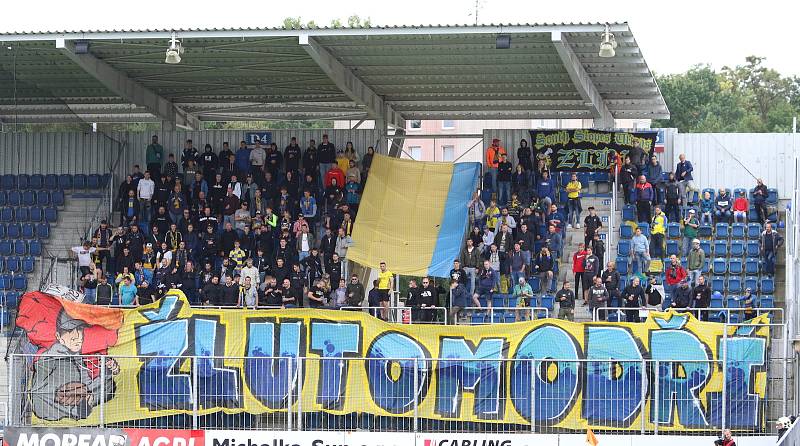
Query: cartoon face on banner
[(169, 358)]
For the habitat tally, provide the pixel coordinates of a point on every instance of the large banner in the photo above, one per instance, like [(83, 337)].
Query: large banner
[(561, 374), (586, 150)]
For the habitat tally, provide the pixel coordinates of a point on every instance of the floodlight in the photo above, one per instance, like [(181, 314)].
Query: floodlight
[(503, 42), (174, 51), (608, 44)]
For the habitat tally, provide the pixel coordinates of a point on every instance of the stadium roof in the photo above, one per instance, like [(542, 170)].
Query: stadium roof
[(389, 73)]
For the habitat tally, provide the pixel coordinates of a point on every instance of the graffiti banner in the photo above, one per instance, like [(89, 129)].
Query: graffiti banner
[(586, 150), (168, 359)]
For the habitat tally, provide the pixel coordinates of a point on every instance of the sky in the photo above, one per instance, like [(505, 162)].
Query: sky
[(673, 35)]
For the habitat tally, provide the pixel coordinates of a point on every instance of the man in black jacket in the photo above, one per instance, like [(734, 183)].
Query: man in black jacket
[(291, 155), (429, 297), (633, 295), (701, 297), (610, 278), (682, 298), (591, 224), (212, 292), (230, 293)]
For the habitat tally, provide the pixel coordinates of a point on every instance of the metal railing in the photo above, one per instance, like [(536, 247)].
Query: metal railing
[(499, 315), (722, 314), (405, 314), (388, 394)]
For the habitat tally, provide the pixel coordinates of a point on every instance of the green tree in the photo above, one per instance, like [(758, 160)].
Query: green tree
[(746, 98), (297, 23)]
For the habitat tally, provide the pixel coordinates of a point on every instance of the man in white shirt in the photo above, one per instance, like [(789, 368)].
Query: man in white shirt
[(84, 254), (144, 191), (257, 156), (236, 187), (250, 271)]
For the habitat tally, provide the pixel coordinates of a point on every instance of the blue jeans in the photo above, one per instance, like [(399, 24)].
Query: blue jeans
[(492, 173), (471, 275), (90, 295), (769, 262), (574, 211), (642, 259), (302, 255), (145, 207), (504, 192)]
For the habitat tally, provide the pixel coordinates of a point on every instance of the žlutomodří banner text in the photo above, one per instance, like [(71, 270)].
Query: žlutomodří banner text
[(167, 358), (586, 150)]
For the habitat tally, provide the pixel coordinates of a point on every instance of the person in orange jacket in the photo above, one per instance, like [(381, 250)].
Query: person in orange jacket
[(492, 160)]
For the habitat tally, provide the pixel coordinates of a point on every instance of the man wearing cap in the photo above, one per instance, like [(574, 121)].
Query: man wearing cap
[(492, 161), (690, 225), (695, 261), (62, 384)]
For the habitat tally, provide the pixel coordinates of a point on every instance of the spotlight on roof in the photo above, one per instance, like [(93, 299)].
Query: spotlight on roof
[(174, 51), (503, 42), (81, 47), (608, 44)]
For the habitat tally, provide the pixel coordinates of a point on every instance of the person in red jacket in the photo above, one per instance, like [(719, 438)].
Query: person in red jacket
[(492, 161), (740, 207), (674, 275), (578, 270), (334, 172)]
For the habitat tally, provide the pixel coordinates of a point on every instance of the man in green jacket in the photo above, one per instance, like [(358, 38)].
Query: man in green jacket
[(695, 261), (154, 157)]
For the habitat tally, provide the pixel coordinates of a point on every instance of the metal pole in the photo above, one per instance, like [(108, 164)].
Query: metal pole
[(195, 399), (724, 373), (611, 215), (657, 396), (300, 393), (643, 400), (102, 391), (533, 396), (416, 394), (12, 419), (785, 367), (289, 394)]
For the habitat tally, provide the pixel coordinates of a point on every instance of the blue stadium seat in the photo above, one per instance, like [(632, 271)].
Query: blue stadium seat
[(719, 266), (28, 230), (2, 230), (622, 265), (478, 317), (499, 300), (673, 230), (673, 248), (43, 198), (104, 179), (37, 181), (753, 230), (79, 181), (9, 181), (624, 248), (51, 215), (5, 247), (28, 264), (694, 197), (720, 248), (721, 231), (766, 302), (7, 282), (11, 299), (20, 247), (535, 283), (716, 302), (739, 190), (735, 266), (3, 198), (752, 283), (623, 282), (738, 231), (752, 266), (28, 198), (752, 215), (35, 248), (718, 284), (705, 231), (51, 181), (706, 266), (57, 197), (737, 248), (13, 264), (625, 231), (43, 230), (735, 284), (645, 227), (93, 181), (733, 301), (766, 285), (13, 230), (629, 213), (753, 248), (14, 198), (547, 302), (705, 245), (20, 282), (22, 214), (36, 214), (65, 181), (772, 196)]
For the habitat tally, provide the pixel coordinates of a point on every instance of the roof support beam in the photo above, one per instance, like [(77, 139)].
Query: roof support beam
[(350, 84), (603, 119), (128, 89)]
